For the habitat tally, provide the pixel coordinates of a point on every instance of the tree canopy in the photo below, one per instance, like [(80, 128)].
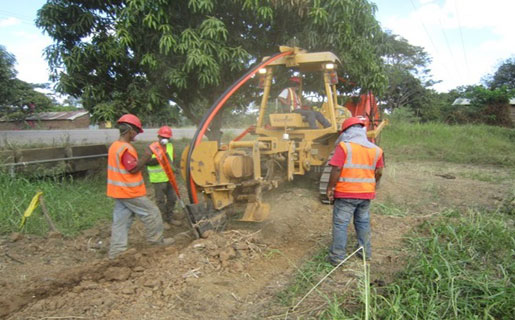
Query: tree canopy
[(14, 93), (138, 55), (406, 67), (503, 76)]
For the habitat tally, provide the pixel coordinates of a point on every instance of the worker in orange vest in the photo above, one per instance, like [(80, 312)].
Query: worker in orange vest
[(126, 186), (290, 99), (357, 166), (163, 190)]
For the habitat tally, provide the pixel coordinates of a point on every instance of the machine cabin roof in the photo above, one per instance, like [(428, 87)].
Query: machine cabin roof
[(306, 62)]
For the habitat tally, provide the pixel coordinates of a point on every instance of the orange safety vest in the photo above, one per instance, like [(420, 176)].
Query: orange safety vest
[(161, 157), (120, 182), (293, 99), (358, 172)]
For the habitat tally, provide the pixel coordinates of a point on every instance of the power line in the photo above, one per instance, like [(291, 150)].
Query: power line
[(429, 37), (461, 37), (21, 19), (16, 15), (450, 50)]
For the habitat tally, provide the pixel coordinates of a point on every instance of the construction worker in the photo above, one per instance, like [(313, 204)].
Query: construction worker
[(126, 186), (290, 99), (165, 195), (357, 166)]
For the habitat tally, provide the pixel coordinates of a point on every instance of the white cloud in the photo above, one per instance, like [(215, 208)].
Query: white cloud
[(8, 22), (466, 39), (28, 50)]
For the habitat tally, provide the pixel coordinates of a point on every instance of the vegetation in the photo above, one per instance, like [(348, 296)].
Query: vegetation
[(15, 95), (467, 144), (504, 76), (462, 269), (137, 56), (489, 106), (73, 204)]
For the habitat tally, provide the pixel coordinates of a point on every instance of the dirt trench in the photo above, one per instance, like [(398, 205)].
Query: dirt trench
[(236, 274)]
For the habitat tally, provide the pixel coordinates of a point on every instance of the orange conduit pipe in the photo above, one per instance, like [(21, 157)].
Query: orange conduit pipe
[(211, 113), (244, 133)]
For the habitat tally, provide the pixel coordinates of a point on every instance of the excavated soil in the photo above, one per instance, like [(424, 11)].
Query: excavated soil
[(235, 274)]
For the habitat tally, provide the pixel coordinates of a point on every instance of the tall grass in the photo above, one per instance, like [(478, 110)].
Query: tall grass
[(462, 269), (306, 277), (73, 204), (468, 144)]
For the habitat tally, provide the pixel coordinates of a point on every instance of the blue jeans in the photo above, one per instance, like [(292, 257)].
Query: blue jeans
[(344, 210)]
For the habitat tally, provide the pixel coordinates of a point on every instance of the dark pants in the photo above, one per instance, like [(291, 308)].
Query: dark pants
[(165, 199), (312, 117)]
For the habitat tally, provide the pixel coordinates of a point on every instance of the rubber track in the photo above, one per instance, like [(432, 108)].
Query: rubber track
[(324, 180)]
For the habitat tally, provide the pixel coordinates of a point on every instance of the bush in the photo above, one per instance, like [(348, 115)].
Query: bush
[(403, 115)]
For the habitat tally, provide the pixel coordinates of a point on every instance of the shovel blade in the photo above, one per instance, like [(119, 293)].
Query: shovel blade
[(256, 212)]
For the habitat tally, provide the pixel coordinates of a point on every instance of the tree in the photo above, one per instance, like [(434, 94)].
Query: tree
[(504, 76), (407, 73), (15, 93), (488, 106), (7, 75), (138, 55)]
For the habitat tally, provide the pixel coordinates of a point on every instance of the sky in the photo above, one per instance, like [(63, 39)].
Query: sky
[(466, 39)]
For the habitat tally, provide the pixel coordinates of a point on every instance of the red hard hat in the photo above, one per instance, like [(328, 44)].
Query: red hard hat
[(131, 119), (295, 79), (352, 121), (165, 132)]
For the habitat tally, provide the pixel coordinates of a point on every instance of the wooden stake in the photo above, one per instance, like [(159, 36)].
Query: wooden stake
[(47, 216)]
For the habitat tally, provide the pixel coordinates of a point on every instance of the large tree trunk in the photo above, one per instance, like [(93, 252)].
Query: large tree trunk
[(215, 129)]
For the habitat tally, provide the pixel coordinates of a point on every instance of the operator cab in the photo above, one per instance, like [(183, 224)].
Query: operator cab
[(275, 121)]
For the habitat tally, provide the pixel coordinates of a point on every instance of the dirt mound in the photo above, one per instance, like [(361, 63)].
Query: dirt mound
[(236, 274)]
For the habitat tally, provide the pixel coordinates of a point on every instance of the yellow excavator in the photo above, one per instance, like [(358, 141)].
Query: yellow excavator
[(283, 146)]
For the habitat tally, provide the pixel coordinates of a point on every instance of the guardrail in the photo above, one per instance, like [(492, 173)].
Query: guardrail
[(43, 161)]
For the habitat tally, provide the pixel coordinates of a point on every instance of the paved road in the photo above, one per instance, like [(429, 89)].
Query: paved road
[(85, 136)]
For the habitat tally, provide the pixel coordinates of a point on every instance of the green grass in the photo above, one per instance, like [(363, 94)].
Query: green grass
[(306, 277), (73, 204), (462, 268), (468, 144)]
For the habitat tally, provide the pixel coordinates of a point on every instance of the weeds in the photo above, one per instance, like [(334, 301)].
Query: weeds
[(387, 208), (306, 277), (73, 204), (463, 269), (470, 144)]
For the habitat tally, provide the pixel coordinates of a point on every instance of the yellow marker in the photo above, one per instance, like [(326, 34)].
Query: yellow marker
[(32, 206)]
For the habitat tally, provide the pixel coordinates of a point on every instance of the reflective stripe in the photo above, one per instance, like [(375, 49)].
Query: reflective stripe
[(119, 170), (155, 170), (348, 160), (123, 184), (341, 179), (119, 152)]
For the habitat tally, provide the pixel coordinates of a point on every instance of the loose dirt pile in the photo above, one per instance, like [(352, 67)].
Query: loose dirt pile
[(235, 274)]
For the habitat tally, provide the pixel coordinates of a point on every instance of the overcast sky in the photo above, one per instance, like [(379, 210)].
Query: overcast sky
[(466, 39)]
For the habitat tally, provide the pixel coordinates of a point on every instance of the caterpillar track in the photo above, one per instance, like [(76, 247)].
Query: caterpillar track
[(324, 180)]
